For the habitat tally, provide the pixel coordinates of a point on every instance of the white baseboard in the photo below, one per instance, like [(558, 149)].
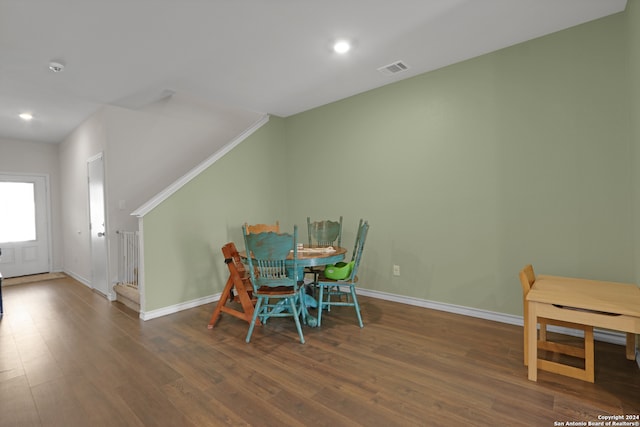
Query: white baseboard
[(79, 278), (450, 308), (148, 315), (612, 337), (111, 296)]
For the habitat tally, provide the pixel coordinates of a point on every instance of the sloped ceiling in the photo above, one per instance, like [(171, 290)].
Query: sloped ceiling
[(264, 56)]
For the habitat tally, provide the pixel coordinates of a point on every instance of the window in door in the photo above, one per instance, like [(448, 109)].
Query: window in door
[(18, 213), (24, 224)]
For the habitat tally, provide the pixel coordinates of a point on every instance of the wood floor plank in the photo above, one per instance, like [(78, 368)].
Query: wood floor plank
[(10, 362), (199, 406), (41, 369), (103, 406), (254, 409), (18, 406), (57, 404), (151, 406), (70, 357)]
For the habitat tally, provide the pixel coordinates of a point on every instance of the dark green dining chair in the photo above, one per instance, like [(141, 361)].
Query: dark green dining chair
[(274, 277), (330, 291)]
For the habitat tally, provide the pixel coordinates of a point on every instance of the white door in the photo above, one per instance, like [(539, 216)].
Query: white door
[(97, 226), (24, 225)]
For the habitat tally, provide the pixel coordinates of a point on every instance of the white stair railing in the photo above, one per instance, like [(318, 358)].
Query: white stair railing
[(128, 258)]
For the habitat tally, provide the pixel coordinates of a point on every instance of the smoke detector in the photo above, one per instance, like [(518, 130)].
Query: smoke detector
[(56, 67)]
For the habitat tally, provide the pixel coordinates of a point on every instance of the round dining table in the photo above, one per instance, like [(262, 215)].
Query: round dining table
[(312, 256)]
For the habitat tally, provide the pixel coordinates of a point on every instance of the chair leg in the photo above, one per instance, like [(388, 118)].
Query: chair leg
[(226, 295), (355, 304), (296, 317), (303, 306), (256, 310), (264, 318), (320, 303)]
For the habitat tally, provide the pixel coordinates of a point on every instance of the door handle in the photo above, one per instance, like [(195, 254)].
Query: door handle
[(100, 234)]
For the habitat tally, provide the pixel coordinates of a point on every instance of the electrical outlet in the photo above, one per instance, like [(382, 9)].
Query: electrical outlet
[(396, 270)]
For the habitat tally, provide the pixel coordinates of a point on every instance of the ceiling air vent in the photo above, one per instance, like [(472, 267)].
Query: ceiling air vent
[(394, 68)]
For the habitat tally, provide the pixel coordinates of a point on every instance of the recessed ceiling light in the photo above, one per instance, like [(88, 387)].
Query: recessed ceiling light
[(26, 116), (341, 46)]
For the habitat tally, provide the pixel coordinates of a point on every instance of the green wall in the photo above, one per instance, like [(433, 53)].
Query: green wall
[(633, 15), (465, 174), (183, 236), (470, 172)]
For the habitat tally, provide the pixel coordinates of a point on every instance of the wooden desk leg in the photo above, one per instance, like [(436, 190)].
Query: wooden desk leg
[(221, 302), (631, 346), (589, 360), (525, 308), (532, 326)]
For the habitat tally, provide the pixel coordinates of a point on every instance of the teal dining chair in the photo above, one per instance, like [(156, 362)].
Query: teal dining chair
[(262, 228), (330, 291), (274, 277), (323, 233)]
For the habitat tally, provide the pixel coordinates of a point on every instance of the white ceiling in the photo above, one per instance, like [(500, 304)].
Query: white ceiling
[(271, 56)]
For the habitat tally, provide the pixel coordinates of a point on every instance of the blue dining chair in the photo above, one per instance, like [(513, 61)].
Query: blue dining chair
[(330, 291), (274, 277)]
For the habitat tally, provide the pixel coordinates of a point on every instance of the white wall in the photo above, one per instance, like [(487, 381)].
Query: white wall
[(86, 141), (151, 148), (145, 151), (26, 157)]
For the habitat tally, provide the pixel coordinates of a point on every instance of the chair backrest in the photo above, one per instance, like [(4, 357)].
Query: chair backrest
[(353, 254), (325, 232), (267, 257), (262, 228), (232, 259), (527, 277), (361, 237)]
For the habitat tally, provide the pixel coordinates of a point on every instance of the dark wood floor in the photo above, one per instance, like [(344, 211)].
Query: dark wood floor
[(70, 358)]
